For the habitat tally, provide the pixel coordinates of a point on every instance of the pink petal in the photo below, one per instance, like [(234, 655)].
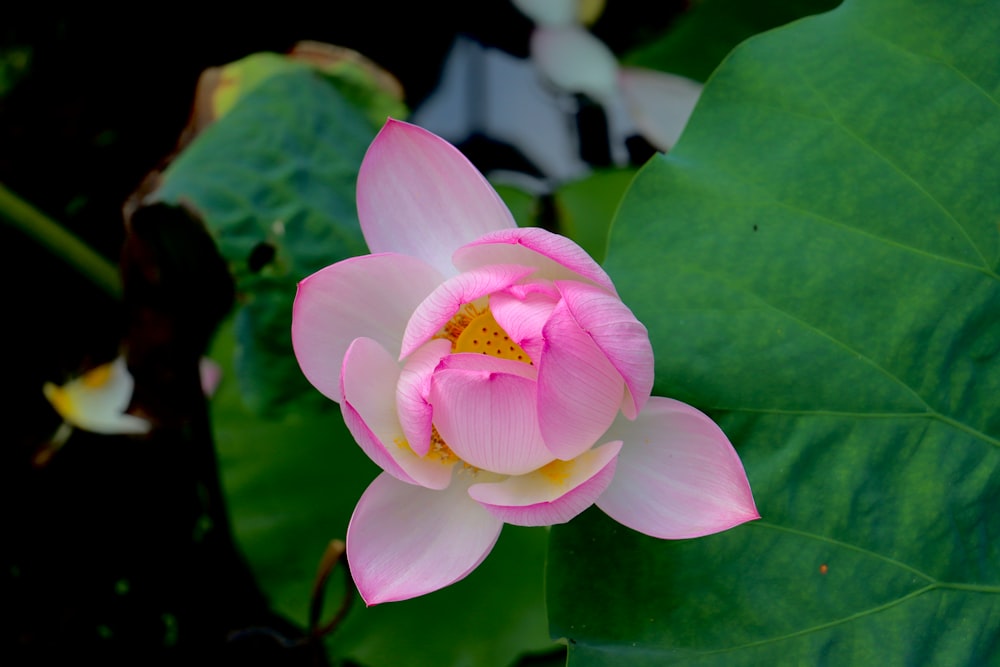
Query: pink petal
[(618, 334), (576, 61), (371, 296), (444, 302), (369, 379), (413, 392), (484, 408), (678, 476), (660, 103), (555, 256), (419, 196), (210, 373), (553, 494), (522, 311), (405, 540), (579, 390)]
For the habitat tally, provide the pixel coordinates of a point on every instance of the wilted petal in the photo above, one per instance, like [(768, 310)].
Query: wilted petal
[(660, 103), (369, 379), (413, 392), (579, 390), (555, 257), (484, 408), (576, 61), (442, 304), (678, 476), (553, 494), (371, 296), (522, 311), (96, 401), (418, 195), (619, 335), (405, 540)]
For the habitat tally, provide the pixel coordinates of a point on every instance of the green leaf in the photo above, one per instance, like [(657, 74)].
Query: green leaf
[(585, 208), (708, 31), (274, 180), (292, 483), (817, 262)]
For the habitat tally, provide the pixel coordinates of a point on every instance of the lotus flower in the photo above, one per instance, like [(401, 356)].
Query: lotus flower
[(495, 376)]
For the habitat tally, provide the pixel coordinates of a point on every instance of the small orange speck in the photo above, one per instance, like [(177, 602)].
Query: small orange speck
[(823, 569)]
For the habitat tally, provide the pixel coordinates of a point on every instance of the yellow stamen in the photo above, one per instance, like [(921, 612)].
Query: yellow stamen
[(439, 450), (484, 336), (557, 471), (60, 400)]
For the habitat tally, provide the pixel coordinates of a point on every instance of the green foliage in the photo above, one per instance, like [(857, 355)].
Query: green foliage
[(273, 178), (817, 262), (706, 33), (585, 208)]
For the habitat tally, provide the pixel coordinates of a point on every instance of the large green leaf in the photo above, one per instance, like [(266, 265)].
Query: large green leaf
[(709, 29), (817, 262), (274, 180)]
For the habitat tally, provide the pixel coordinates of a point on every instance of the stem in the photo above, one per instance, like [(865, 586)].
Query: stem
[(60, 242)]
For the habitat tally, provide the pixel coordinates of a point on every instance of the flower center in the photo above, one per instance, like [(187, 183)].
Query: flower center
[(482, 334)]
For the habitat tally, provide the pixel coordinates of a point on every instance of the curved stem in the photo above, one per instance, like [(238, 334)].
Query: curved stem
[(60, 242)]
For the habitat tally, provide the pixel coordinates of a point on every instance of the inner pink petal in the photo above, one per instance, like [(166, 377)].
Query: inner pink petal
[(619, 335), (522, 311), (444, 302), (555, 256), (579, 390), (369, 380), (553, 494), (488, 416), (413, 394)]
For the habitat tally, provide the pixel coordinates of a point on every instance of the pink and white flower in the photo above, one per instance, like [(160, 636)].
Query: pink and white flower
[(495, 376)]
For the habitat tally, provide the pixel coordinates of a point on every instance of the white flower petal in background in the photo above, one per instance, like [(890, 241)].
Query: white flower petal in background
[(96, 401), (576, 61), (549, 12), (660, 103)]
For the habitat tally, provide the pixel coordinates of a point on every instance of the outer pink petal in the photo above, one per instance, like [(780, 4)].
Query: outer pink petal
[(660, 103), (372, 296), (413, 394), (678, 476), (484, 408), (442, 304), (554, 494), (555, 256), (405, 540), (369, 379), (418, 195), (522, 311), (579, 390), (619, 335)]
